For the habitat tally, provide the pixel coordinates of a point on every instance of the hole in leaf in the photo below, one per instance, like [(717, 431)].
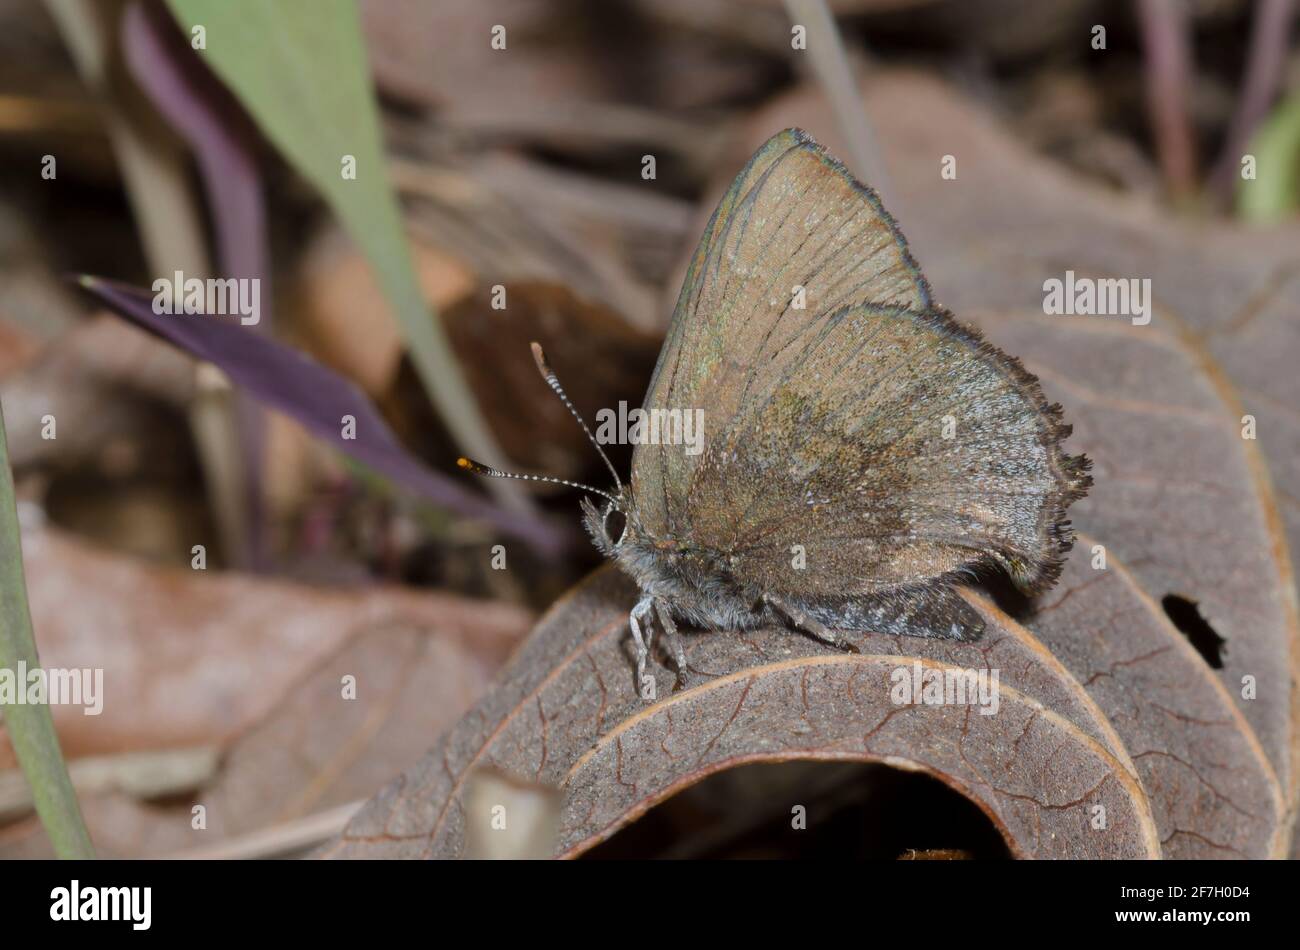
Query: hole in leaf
[(856, 811), (1186, 616)]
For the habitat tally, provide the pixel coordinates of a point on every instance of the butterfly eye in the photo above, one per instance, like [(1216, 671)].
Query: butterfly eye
[(615, 524)]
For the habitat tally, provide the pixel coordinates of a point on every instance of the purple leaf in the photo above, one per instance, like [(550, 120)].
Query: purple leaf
[(286, 379)]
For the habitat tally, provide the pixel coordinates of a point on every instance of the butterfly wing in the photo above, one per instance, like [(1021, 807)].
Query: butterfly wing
[(793, 217), (864, 444), (898, 448)]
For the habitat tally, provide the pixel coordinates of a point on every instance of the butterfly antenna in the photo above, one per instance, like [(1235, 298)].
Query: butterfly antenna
[(553, 381), (478, 468)]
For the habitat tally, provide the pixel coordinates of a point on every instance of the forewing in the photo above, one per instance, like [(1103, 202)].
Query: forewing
[(793, 218)]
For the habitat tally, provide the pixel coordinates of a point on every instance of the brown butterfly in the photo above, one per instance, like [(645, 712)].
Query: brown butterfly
[(864, 455)]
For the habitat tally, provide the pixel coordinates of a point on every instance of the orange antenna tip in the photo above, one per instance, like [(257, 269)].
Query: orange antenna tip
[(478, 468), (539, 358)]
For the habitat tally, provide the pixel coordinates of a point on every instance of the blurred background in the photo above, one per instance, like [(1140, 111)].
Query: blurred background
[(516, 169)]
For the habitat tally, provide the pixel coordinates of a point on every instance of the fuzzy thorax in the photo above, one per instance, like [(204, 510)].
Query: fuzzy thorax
[(693, 584)]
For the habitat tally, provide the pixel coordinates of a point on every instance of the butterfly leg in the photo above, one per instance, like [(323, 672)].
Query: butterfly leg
[(639, 613), (674, 643), (808, 624)]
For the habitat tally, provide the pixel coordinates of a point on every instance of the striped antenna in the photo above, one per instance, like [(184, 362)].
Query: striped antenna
[(553, 381), (478, 468)]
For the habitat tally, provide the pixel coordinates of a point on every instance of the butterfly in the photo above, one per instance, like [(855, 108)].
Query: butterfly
[(864, 453)]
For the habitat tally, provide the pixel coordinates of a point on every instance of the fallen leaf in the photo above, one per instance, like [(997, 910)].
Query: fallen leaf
[(516, 222), (228, 691), (194, 658), (566, 714), (340, 308), (101, 382)]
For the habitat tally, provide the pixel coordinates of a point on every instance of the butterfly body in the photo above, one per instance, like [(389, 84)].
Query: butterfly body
[(693, 583), (680, 582)]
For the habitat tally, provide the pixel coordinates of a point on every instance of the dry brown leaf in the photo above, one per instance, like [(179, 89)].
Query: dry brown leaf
[(600, 359), (342, 314), (554, 84), (101, 380), (1104, 700), (400, 33), (17, 347), (567, 715), (312, 753), (505, 235), (226, 691), (194, 658)]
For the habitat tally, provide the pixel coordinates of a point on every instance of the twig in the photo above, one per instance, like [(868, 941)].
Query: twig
[(280, 839), (1168, 67), (830, 65)]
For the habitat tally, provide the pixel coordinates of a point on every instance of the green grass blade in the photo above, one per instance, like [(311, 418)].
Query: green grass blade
[(30, 726), (1275, 191)]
